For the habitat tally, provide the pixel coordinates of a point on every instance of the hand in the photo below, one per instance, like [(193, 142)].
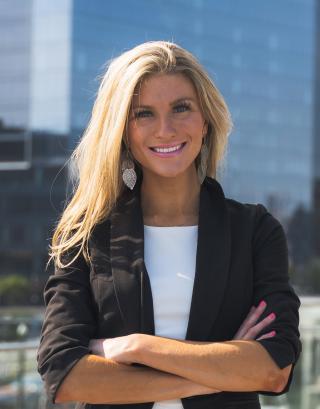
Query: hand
[(119, 349), (249, 329), (124, 349)]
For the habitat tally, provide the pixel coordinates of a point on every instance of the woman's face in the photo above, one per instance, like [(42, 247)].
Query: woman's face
[(166, 126)]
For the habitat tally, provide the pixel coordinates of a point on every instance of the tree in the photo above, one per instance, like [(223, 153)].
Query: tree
[(14, 290)]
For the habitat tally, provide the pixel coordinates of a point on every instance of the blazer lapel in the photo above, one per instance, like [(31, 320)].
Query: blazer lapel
[(212, 261), (130, 277)]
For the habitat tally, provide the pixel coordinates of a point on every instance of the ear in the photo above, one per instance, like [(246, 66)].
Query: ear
[(205, 129)]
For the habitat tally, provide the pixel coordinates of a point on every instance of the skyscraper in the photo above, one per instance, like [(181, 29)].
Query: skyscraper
[(260, 54), (316, 138)]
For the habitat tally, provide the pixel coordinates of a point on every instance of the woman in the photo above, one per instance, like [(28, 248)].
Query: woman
[(156, 271)]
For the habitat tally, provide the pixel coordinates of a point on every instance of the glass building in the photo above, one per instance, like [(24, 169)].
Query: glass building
[(15, 55), (260, 54), (316, 142)]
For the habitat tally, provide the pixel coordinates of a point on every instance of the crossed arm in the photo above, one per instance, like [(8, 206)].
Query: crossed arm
[(206, 363), (174, 368), (100, 380)]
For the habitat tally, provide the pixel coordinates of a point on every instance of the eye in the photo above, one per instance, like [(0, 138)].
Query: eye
[(182, 107), (142, 114)]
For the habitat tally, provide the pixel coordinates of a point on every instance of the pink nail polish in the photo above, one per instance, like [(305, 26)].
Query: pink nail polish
[(273, 333), (272, 316), (262, 303)]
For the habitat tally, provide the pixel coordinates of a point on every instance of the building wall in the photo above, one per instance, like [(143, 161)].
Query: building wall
[(35, 48), (50, 68), (260, 54), (31, 201), (15, 57), (269, 87), (316, 117), (316, 139)]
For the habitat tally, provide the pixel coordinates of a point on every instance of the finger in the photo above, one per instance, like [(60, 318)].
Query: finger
[(255, 315), (92, 344), (241, 331), (268, 335), (256, 329), (263, 324), (252, 317), (95, 346)]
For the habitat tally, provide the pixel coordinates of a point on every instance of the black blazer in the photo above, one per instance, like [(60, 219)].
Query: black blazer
[(242, 258)]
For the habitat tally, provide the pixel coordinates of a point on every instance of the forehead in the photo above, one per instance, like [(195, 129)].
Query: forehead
[(157, 87)]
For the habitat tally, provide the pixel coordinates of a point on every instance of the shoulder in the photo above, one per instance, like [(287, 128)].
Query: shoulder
[(252, 219), (256, 214), (240, 209), (266, 231), (241, 214)]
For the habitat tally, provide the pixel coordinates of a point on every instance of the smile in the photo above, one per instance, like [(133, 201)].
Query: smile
[(164, 151)]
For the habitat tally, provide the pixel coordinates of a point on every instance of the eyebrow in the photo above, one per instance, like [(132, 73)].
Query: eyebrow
[(171, 103)]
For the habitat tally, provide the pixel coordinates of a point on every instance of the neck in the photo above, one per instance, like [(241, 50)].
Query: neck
[(170, 201)]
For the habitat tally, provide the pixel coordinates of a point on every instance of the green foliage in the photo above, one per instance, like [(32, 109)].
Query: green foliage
[(14, 290)]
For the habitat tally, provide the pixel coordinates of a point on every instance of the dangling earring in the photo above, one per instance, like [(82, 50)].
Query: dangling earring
[(129, 175), (202, 167)]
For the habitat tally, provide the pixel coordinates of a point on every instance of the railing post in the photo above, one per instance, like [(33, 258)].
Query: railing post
[(20, 378)]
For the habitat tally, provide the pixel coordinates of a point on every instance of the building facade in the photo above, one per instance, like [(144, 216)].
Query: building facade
[(32, 196), (316, 140), (260, 54)]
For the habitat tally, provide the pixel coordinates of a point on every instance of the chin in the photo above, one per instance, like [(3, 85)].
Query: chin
[(169, 174)]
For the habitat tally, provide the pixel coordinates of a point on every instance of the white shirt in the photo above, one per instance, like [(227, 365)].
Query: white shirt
[(170, 259)]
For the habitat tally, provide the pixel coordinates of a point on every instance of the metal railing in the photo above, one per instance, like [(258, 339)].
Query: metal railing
[(21, 386)]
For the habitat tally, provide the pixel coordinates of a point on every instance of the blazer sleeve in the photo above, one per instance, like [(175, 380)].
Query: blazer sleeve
[(69, 323), (271, 284)]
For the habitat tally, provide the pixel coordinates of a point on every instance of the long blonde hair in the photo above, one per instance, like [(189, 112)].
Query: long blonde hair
[(96, 161)]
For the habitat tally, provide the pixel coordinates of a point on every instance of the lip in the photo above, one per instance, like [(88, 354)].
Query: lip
[(168, 154), (168, 145)]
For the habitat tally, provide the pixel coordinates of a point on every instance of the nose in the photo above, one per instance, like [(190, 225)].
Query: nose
[(165, 128)]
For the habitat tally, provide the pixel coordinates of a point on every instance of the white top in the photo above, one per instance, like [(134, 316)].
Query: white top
[(170, 259)]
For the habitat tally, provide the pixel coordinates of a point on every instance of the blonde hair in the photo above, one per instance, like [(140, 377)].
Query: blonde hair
[(96, 161)]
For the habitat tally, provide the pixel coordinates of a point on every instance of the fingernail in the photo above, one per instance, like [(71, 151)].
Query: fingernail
[(273, 333), (272, 316), (262, 303)]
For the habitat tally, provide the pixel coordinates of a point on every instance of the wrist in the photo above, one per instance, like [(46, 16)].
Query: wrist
[(137, 347)]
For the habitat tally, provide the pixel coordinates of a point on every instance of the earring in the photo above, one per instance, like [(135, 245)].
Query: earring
[(202, 167), (129, 175)]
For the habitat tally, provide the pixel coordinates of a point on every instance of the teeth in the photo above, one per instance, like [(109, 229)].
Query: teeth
[(166, 150)]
